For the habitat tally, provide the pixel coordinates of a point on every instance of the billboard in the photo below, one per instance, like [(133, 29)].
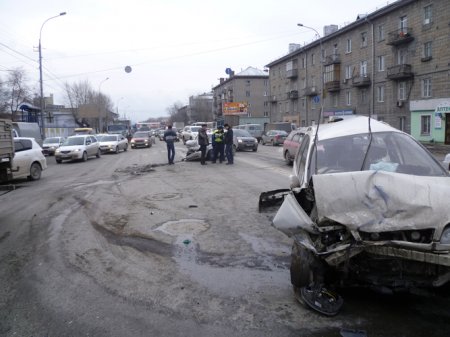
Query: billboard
[(234, 108)]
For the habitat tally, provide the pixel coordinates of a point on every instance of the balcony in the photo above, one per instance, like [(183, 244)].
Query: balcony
[(273, 99), (293, 73), (400, 36), (332, 59), (293, 94), (311, 91), (332, 86), (400, 72), (361, 81)]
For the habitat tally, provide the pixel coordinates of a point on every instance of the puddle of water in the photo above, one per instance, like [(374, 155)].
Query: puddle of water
[(184, 226)]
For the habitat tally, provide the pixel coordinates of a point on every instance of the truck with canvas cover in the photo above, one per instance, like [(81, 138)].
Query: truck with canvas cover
[(6, 149)]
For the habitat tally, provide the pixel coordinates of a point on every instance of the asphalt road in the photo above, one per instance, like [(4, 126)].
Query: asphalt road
[(126, 245)]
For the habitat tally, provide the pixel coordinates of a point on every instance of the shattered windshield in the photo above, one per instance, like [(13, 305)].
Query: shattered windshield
[(388, 151)]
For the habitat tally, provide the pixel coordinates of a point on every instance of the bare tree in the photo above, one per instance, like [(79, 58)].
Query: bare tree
[(177, 113), (14, 91)]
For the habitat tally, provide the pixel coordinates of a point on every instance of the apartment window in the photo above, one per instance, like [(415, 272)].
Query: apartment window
[(363, 39), (247, 93), (312, 104), (335, 99), (303, 62), (348, 72), (427, 51), (426, 87), (286, 107), (266, 104), (402, 56), (380, 32), (247, 83), (363, 68), (349, 46), (380, 62), (312, 59), (303, 103), (425, 125), (401, 95), (380, 93), (427, 14), (265, 93), (403, 24), (266, 83), (401, 123), (363, 93), (348, 97), (266, 113)]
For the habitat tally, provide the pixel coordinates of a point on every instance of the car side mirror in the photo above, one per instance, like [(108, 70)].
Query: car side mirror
[(88, 142)]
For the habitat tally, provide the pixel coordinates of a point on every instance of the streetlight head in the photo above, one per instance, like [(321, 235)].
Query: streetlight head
[(62, 13), (300, 24)]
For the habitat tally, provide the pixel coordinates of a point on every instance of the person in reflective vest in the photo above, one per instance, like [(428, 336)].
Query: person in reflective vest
[(219, 145)]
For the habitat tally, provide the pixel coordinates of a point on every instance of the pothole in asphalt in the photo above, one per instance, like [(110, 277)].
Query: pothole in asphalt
[(136, 169), (184, 226), (164, 196)]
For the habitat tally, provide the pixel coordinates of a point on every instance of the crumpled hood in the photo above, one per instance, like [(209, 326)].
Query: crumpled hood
[(375, 201)]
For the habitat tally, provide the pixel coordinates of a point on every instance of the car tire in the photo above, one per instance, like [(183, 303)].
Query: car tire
[(184, 141), (58, 161), (125, 148), (99, 153), (263, 142), (273, 143), (287, 158), (85, 156), (117, 149), (35, 171), (255, 149)]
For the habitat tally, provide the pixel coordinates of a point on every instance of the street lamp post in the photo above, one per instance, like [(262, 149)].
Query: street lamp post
[(321, 72), (100, 121), (40, 74)]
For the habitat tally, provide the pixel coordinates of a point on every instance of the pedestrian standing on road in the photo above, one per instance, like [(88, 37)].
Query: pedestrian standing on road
[(169, 137), (219, 145), (203, 141), (228, 140)]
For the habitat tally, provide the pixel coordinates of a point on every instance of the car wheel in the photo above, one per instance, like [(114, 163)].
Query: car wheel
[(58, 161), (273, 143), (184, 141), (255, 149), (117, 149), (263, 142), (85, 156), (287, 158), (35, 171), (305, 267), (125, 148), (98, 155)]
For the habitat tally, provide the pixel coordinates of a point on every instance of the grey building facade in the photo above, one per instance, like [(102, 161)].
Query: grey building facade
[(249, 87), (376, 65)]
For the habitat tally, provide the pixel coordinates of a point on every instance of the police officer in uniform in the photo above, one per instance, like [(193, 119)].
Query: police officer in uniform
[(219, 145)]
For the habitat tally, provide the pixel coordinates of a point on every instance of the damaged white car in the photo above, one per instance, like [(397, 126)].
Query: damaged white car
[(368, 206)]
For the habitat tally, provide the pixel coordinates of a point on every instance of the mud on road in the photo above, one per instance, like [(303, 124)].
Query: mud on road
[(136, 247)]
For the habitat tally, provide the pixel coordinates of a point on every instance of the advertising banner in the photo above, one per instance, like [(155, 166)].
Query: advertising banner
[(234, 108)]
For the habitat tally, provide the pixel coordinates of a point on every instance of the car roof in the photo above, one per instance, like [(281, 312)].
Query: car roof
[(351, 126)]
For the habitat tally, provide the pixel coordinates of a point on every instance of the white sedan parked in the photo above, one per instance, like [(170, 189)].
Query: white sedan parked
[(29, 160)]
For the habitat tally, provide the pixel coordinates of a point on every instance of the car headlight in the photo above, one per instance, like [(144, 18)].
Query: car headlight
[(57, 150), (132, 141), (256, 141), (239, 140), (77, 150), (445, 237)]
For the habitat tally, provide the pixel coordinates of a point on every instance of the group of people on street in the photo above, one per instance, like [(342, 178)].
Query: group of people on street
[(222, 143)]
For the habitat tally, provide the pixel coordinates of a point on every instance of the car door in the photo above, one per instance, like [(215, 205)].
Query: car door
[(22, 157), (94, 145)]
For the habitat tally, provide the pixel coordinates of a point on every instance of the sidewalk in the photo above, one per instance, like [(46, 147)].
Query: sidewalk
[(437, 148)]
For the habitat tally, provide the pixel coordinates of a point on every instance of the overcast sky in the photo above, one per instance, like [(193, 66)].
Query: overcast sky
[(176, 48)]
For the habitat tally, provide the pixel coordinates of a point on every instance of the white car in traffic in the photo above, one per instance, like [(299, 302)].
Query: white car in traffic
[(29, 161), (78, 148), (113, 143)]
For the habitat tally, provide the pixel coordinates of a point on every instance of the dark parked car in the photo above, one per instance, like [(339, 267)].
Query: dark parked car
[(291, 144), (274, 137), (243, 140)]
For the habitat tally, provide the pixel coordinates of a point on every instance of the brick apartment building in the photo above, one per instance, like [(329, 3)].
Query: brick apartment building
[(393, 63), (249, 87)]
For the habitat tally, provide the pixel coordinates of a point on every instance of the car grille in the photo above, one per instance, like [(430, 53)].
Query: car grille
[(420, 236), (66, 152)]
